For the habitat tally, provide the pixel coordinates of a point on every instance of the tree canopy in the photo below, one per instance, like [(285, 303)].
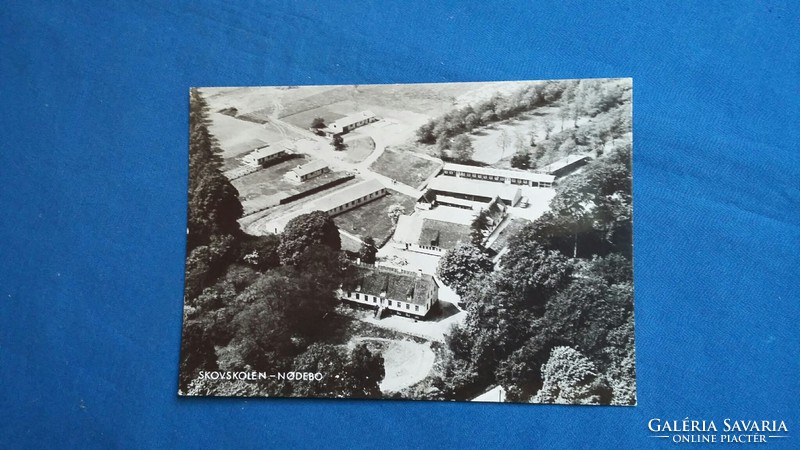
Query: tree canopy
[(459, 266), (303, 231)]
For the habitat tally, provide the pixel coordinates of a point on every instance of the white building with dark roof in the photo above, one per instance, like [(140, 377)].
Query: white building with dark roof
[(349, 123), (567, 165), (472, 194), (268, 154), (498, 175), (397, 291)]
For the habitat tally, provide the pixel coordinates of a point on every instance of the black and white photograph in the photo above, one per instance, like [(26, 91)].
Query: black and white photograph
[(452, 242)]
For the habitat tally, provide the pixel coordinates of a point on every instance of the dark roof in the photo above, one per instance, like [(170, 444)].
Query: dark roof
[(443, 234), (397, 284)]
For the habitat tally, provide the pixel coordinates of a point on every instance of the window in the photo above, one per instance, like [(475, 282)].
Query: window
[(357, 297), (349, 293), (374, 299), (416, 308), (408, 306), (390, 303)]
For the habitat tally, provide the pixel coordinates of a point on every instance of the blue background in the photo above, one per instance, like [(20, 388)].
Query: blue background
[(93, 203)]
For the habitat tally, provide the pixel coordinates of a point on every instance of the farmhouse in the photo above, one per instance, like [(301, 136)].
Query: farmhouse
[(470, 193), (268, 154), (498, 175), (396, 291), (349, 197), (308, 171), (567, 165), (350, 123)]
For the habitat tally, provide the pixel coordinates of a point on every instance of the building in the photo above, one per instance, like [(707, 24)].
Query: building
[(470, 193), (308, 171), (349, 123), (349, 197), (499, 175), (567, 165), (268, 154), (389, 290), (245, 146)]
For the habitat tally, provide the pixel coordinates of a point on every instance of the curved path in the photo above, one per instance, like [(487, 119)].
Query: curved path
[(406, 363)]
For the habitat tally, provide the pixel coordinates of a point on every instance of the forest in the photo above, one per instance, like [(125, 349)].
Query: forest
[(554, 322), (260, 302)]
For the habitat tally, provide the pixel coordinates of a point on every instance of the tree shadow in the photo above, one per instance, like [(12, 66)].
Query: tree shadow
[(443, 310)]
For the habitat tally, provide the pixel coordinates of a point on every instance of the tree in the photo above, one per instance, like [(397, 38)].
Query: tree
[(532, 271), (425, 133), (563, 114), (205, 263), (338, 143), (472, 121), (462, 264), (521, 160), (304, 231), (395, 211), (214, 207), (478, 227), (569, 377), (462, 148), (260, 252), (318, 123), (343, 376), (503, 140), (368, 250), (548, 128)]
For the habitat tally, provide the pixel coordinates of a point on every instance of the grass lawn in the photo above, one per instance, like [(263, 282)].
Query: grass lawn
[(405, 167), (372, 219), (303, 119), (267, 187), (358, 147), (508, 232), (448, 234)]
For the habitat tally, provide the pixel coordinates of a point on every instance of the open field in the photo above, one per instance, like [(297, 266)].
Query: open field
[(269, 220), (230, 131), (303, 119), (405, 167), (268, 186), (372, 219), (265, 99), (359, 147)]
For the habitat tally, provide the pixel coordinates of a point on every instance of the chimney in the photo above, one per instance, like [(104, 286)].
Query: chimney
[(358, 261), (419, 273)]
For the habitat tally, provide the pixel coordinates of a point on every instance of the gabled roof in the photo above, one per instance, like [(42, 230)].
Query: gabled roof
[(563, 163), (491, 171), (265, 151), (476, 188), (351, 119), (306, 169), (347, 195), (396, 284)]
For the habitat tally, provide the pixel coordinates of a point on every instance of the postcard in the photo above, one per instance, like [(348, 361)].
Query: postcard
[(459, 241)]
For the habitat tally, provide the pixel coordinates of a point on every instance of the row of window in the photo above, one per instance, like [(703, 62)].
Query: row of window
[(497, 178), (357, 201), (375, 300)]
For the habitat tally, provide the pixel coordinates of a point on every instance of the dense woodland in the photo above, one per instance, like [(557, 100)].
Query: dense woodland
[(605, 102), (259, 302), (554, 322)]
